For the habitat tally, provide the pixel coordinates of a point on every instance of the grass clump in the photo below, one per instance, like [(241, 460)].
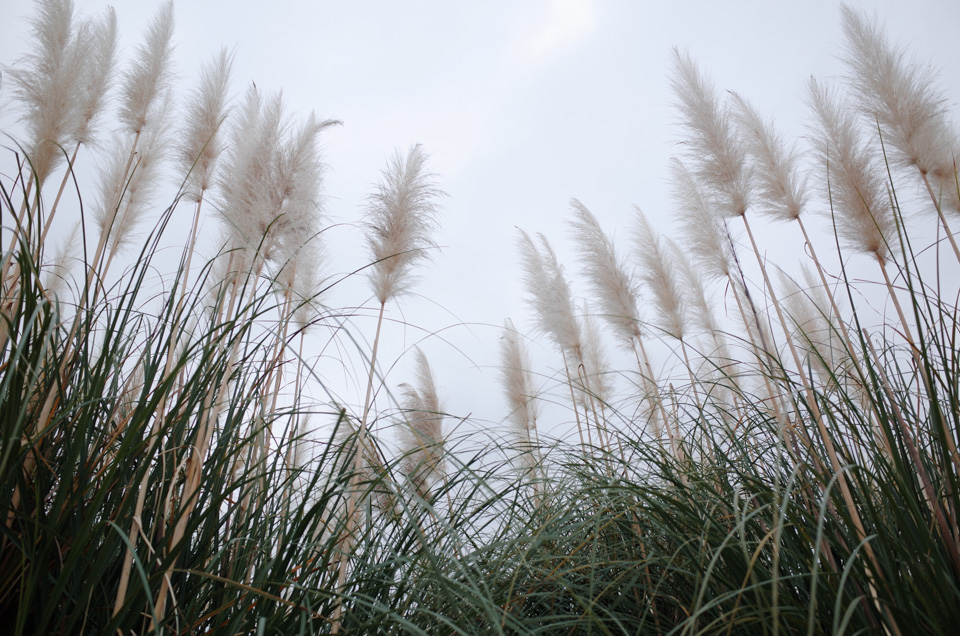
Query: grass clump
[(161, 468)]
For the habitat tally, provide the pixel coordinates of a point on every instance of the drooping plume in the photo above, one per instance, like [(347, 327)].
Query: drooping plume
[(607, 273), (902, 97), (864, 218), (717, 156), (401, 218), (306, 288)]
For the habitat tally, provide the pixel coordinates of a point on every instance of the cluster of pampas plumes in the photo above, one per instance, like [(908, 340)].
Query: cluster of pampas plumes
[(789, 466)]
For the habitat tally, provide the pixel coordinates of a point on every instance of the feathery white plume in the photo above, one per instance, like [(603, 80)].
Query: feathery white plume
[(298, 183), (598, 379), (704, 231), (903, 99), (421, 438), (718, 158), (204, 115), (660, 276), (401, 216), (549, 293), (521, 394), (246, 175), (149, 75), (46, 83), (97, 76), (864, 218), (306, 287), (781, 188), (612, 284), (123, 203), (701, 312), (271, 180), (297, 186)]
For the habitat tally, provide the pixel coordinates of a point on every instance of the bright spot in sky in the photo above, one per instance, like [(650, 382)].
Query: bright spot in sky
[(566, 22)]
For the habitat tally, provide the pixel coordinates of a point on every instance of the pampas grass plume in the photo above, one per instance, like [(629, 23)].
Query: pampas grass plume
[(123, 203), (401, 217), (598, 376), (904, 100), (421, 439), (660, 276), (610, 280), (247, 176), (705, 233), (46, 83), (718, 156), (863, 215), (98, 73), (150, 73), (519, 389), (781, 188), (298, 184), (549, 293), (811, 314), (205, 112)]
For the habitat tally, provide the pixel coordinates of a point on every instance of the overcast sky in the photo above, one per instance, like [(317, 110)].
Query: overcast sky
[(521, 105)]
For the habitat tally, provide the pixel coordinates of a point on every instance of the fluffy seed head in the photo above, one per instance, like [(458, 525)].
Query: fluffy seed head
[(400, 220), (519, 389), (810, 313), (902, 97), (702, 316), (247, 174), (705, 232), (659, 273), (864, 217), (297, 185), (421, 439), (549, 293), (781, 189), (150, 73), (205, 112), (612, 284), (46, 83), (97, 75), (597, 380), (125, 196), (271, 180), (718, 158)]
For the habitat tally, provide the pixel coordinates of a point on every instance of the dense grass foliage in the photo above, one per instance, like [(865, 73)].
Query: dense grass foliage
[(161, 466)]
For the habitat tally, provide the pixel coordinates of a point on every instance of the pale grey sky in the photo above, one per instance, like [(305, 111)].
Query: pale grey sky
[(521, 105)]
